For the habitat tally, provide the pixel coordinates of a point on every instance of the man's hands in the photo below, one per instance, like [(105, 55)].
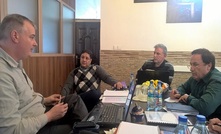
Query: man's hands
[(214, 125), (118, 85), (183, 98), (174, 94), (53, 99), (56, 112)]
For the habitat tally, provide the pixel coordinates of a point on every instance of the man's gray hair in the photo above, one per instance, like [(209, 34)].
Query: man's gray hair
[(11, 22), (162, 46)]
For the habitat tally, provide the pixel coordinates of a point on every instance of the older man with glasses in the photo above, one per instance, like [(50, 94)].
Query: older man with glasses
[(203, 90)]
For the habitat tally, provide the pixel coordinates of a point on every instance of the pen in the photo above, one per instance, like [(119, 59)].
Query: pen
[(59, 99)]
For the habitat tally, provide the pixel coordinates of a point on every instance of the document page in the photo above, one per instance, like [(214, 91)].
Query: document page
[(119, 99), (115, 93), (132, 128), (111, 96), (158, 117)]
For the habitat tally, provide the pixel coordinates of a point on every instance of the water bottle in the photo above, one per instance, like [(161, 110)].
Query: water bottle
[(131, 78), (150, 97), (159, 99), (200, 127), (182, 127), (156, 98)]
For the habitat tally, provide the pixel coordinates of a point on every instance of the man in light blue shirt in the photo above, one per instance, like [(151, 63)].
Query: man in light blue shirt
[(22, 110)]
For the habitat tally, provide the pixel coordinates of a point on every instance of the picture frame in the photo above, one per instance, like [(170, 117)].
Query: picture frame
[(179, 11), (142, 1)]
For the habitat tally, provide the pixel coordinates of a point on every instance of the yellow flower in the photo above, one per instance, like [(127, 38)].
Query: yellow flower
[(155, 83), (147, 83)]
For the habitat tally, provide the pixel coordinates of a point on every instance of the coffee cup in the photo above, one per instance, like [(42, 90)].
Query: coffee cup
[(137, 115), (137, 118)]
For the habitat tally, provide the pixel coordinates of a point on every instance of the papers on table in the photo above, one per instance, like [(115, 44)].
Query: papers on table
[(132, 128), (164, 118), (111, 96), (120, 100), (175, 106), (171, 100), (157, 117), (179, 107), (115, 93)]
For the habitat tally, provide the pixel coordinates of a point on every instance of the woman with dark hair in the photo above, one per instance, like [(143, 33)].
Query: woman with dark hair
[(86, 79)]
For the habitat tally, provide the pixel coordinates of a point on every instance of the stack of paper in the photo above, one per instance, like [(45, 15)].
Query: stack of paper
[(132, 128), (157, 117), (115, 93), (112, 96)]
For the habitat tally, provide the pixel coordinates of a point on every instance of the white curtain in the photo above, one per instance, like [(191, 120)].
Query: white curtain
[(3, 9)]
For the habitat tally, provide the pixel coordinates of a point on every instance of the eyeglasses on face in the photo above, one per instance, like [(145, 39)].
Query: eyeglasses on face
[(195, 65)]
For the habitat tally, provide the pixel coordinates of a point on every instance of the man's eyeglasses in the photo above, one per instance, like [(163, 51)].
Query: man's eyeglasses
[(194, 65)]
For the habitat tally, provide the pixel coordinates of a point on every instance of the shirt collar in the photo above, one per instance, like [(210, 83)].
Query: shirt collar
[(85, 69), (161, 65), (208, 75), (8, 59)]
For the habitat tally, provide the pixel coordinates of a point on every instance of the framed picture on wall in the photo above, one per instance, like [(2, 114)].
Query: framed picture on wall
[(140, 1), (184, 11)]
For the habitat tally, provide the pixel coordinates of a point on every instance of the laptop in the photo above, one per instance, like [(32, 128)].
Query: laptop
[(146, 75), (118, 112)]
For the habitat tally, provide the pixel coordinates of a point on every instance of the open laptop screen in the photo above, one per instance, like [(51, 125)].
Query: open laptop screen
[(129, 98), (146, 75)]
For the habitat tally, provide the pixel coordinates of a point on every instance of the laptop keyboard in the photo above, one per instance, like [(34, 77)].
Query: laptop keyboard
[(108, 113)]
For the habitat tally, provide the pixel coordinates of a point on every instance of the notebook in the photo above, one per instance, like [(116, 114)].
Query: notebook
[(117, 100), (146, 75), (133, 128), (161, 118), (111, 93), (115, 96), (165, 118), (102, 117)]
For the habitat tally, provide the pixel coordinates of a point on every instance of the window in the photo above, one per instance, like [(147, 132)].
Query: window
[(88, 9), (50, 23), (55, 34), (21, 7), (68, 30)]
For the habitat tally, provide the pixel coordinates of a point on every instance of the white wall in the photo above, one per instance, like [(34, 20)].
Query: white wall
[(127, 25)]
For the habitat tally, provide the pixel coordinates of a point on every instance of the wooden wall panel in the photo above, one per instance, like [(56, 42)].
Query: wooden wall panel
[(48, 73)]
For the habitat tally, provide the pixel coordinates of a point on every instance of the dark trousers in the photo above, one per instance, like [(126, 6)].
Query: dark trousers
[(91, 98), (76, 112)]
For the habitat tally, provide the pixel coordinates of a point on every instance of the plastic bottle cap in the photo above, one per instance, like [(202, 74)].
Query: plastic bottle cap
[(201, 118), (182, 118)]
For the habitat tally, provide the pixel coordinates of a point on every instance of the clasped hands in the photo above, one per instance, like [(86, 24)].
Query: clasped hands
[(215, 125), (59, 108), (174, 94), (53, 99)]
